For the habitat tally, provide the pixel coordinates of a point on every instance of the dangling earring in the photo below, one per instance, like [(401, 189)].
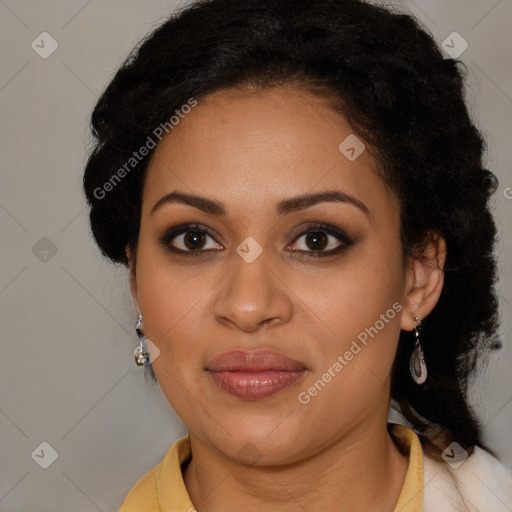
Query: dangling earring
[(417, 364), (141, 351)]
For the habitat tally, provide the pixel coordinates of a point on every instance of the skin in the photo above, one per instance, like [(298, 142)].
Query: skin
[(249, 150)]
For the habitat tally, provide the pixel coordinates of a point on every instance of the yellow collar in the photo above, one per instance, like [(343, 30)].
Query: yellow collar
[(163, 489), (411, 496)]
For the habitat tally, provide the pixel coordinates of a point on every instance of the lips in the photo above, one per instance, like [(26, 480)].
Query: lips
[(254, 374)]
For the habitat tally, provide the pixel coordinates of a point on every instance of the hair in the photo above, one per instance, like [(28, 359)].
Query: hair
[(386, 75)]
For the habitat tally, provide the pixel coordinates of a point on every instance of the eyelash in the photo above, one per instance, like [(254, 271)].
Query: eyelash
[(314, 227)]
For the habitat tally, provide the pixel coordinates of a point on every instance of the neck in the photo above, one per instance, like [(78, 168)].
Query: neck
[(358, 472)]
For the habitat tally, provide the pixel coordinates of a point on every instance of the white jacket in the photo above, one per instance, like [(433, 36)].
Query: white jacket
[(480, 484)]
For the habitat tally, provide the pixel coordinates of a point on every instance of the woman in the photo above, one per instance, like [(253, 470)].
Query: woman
[(298, 192)]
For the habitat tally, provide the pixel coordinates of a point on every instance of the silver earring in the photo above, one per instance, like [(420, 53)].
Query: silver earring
[(141, 353), (417, 364)]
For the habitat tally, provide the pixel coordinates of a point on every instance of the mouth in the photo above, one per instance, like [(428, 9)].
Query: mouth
[(253, 375)]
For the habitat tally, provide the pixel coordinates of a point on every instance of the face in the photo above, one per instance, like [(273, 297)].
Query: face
[(277, 318)]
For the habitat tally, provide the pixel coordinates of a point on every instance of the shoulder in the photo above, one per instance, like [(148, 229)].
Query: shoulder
[(144, 494), (480, 483), (163, 487)]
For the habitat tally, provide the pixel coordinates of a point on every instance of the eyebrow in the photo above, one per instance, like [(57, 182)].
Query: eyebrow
[(283, 207)]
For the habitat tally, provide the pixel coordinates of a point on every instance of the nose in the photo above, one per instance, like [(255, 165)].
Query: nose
[(253, 296)]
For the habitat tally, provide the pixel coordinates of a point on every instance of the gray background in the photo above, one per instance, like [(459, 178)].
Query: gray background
[(66, 369)]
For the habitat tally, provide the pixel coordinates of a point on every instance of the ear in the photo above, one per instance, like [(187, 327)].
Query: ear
[(133, 281), (424, 282)]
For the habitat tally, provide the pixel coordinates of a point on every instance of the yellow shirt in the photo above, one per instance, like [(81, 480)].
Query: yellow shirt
[(163, 489)]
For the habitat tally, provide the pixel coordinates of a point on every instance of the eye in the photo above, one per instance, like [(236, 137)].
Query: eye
[(189, 238), (321, 240), (194, 239)]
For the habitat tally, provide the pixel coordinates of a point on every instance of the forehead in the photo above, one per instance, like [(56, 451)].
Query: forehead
[(246, 148)]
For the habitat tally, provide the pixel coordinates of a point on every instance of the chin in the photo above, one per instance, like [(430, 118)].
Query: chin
[(260, 441)]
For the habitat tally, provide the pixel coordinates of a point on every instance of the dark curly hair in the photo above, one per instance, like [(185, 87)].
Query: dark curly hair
[(388, 78)]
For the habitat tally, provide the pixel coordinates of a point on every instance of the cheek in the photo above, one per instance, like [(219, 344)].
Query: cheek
[(359, 305), (353, 295), (171, 298)]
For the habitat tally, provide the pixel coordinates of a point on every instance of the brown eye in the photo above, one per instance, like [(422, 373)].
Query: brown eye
[(189, 239), (321, 240), (316, 241), (194, 240)]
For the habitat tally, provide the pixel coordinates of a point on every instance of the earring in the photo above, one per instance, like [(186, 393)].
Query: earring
[(141, 353), (417, 364)]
